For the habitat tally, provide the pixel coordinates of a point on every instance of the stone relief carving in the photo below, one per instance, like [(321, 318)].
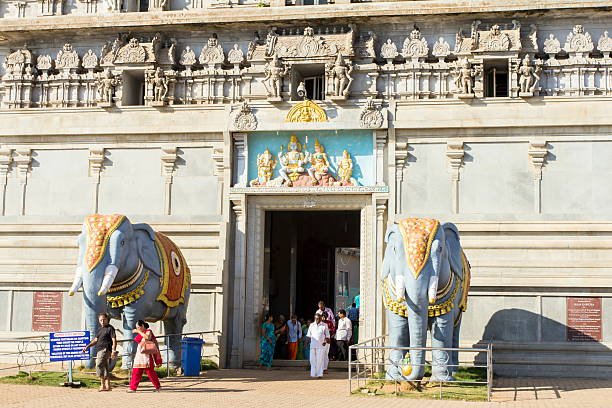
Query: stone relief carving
[(212, 54), (464, 78), (552, 46), (105, 88), (44, 63), (371, 117), (274, 72), (17, 62), (158, 83), (415, 47), (578, 41), (235, 55), (245, 119), (339, 75), (90, 60), (529, 76), (132, 53), (605, 44), (388, 51), (441, 49), (308, 44), (67, 58), (188, 58)]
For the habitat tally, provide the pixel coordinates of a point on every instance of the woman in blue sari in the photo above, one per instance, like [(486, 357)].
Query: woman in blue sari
[(267, 342)]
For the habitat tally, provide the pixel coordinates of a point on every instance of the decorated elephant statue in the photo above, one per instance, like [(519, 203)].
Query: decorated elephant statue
[(132, 273), (425, 281)]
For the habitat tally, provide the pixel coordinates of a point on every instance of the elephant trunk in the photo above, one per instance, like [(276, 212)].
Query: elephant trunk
[(77, 281), (417, 324)]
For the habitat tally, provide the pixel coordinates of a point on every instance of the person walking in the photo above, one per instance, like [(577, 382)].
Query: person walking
[(146, 358), (306, 340), (106, 348), (267, 342), (294, 334), (344, 333), (353, 315), (332, 332), (330, 313), (281, 337), (319, 336)]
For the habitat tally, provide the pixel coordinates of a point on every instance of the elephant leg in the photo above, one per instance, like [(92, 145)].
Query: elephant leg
[(173, 326), (129, 350), (441, 336), (398, 337), (455, 354)]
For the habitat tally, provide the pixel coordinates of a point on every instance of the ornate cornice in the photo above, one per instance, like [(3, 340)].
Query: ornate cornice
[(308, 190)]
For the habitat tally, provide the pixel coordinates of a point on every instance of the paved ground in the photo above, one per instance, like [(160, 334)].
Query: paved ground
[(293, 388)]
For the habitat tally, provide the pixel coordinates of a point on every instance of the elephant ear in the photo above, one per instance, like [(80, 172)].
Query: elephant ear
[(392, 229), (145, 243), (453, 246)]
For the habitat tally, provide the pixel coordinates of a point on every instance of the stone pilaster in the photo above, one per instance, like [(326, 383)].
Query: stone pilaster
[(381, 209), (455, 153), (5, 166), (23, 160), (537, 155), (381, 140), (401, 155), (96, 162), (239, 279), (168, 159), (240, 159)]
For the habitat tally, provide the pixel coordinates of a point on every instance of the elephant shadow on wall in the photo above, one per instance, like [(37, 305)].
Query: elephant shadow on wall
[(527, 344)]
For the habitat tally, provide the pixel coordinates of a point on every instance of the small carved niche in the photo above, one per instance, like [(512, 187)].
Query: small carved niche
[(496, 78), (133, 92), (313, 77)]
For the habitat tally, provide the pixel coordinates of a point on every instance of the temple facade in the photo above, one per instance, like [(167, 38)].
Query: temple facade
[(261, 135)]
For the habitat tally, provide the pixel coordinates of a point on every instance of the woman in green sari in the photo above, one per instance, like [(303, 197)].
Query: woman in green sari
[(267, 342)]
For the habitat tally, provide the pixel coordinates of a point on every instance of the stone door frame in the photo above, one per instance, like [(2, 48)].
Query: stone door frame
[(249, 231)]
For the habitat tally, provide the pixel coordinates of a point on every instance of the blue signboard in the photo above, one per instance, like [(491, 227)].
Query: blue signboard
[(67, 346)]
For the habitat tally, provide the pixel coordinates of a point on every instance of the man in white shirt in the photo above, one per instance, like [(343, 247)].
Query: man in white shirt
[(319, 337), (344, 332)]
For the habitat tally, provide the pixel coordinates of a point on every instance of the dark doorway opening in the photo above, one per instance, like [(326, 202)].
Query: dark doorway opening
[(311, 256)]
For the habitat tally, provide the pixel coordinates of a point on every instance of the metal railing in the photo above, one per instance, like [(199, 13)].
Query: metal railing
[(33, 351), (372, 361)]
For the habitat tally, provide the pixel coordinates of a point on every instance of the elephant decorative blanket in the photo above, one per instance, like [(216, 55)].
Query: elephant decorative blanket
[(175, 273), (418, 235), (99, 229)]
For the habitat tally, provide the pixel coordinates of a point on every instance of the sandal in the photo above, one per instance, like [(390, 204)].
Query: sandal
[(130, 391)]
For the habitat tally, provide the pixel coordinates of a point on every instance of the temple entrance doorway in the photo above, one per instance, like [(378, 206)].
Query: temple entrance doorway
[(311, 256)]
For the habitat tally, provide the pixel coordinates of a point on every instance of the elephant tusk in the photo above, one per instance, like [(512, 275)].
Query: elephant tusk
[(77, 282), (432, 291), (109, 277)]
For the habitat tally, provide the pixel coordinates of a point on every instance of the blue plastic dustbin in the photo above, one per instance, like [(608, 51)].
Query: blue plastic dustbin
[(191, 350)]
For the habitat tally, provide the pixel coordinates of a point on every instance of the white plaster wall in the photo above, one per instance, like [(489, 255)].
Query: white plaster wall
[(195, 188), (496, 179), (58, 184), (131, 182)]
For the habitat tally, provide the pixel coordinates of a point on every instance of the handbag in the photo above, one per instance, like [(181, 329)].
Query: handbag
[(149, 347)]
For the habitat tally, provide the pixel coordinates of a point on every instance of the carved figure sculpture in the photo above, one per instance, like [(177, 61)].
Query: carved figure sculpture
[(265, 168), (425, 280), (528, 75), (160, 85), (129, 269), (345, 168), (274, 72), (340, 75), (319, 164), (465, 77), (105, 87), (292, 162), (17, 61)]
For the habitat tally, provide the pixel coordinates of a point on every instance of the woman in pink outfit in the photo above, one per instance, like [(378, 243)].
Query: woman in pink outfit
[(144, 362)]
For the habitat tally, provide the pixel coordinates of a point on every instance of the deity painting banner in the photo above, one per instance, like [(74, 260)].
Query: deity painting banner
[(311, 158)]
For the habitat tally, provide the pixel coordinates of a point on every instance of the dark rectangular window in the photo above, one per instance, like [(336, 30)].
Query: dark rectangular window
[(315, 88), (133, 89), (496, 78)]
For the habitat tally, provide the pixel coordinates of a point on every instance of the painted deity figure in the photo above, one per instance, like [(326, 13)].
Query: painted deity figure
[(340, 74), (105, 86), (319, 164), (274, 73), (265, 168), (345, 168), (528, 75), (465, 75), (160, 85), (293, 161)]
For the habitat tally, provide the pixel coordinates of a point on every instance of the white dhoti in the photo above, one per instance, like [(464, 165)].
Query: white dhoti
[(317, 360), (326, 361)]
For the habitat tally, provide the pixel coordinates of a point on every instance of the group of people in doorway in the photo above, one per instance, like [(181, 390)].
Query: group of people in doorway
[(324, 337), (147, 355)]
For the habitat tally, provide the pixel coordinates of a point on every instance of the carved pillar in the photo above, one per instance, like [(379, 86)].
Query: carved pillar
[(5, 166), (168, 158), (96, 161), (381, 139), (239, 282), (455, 153), (537, 154), (23, 159), (381, 207), (240, 155), (218, 170), (401, 154)]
